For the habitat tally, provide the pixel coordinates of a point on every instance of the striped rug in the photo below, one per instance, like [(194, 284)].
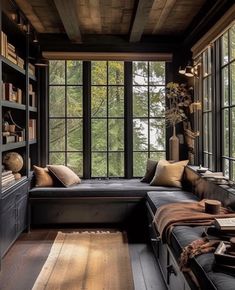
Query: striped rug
[(87, 261)]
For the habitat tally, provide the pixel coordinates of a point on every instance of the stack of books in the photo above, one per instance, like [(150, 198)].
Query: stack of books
[(225, 224), (7, 177), (10, 93), (32, 96), (31, 69), (11, 53), (32, 129), (3, 44)]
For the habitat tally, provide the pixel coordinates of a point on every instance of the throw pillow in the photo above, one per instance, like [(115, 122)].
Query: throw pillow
[(64, 174), (150, 171), (169, 174), (43, 178)]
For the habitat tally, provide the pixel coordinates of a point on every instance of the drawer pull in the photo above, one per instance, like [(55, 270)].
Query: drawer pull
[(155, 240), (171, 270)]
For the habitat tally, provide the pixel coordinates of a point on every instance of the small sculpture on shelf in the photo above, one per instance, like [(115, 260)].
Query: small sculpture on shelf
[(11, 132)]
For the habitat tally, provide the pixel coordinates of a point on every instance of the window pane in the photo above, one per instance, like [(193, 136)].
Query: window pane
[(99, 164), (57, 134), (158, 155), (116, 72), (232, 71), (157, 73), (139, 163), (140, 73), (224, 54), (74, 101), (225, 86), (206, 162), (116, 135), (99, 135), (140, 134), (233, 132), (75, 162), (74, 135), (116, 101), (233, 167), (157, 101), (226, 132), (140, 101), (205, 95), (205, 132), (98, 72), (232, 42), (226, 167), (116, 164), (157, 134), (74, 72), (98, 102), (205, 63), (209, 84), (57, 72), (57, 158), (210, 131), (57, 101)]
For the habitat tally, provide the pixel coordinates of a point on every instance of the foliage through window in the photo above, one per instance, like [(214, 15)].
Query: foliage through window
[(228, 101), (148, 113), (66, 114), (106, 94)]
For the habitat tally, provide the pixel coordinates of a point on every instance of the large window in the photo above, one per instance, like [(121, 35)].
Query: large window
[(228, 101), (207, 107), (104, 91), (65, 114), (148, 113), (107, 119)]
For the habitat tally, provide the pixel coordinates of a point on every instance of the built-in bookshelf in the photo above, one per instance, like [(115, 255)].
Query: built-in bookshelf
[(19, 114)]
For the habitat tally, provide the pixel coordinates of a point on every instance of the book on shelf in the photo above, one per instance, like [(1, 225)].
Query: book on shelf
[(32, 69), (32, 99), (10, 93), (225, 224), (8, 139), (32, 129), (3, 44), (6, 172)]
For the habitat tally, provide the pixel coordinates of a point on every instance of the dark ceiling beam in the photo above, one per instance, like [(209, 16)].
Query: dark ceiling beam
[(29, 12), (160, 22), (141, 16), (69, 17)]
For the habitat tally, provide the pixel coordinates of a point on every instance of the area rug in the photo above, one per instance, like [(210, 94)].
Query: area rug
[(87, 261)]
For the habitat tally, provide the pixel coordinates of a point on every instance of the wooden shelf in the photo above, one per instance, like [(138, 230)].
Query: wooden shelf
[(31, 142), (12, 65), (32, 78), (11, 146), (12, 185), (33, 109), (13, 105)]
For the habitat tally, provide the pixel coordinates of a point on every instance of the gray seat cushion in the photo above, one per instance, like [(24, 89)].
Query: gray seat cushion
[(202, 265), (158, 198), (100, 188)]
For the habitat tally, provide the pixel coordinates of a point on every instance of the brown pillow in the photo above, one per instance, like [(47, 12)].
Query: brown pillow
[(64, 174), (150, 171), (169, 174), (43, 178)]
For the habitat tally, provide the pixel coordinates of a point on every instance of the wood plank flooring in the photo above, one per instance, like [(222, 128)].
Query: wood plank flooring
[(23, 262)]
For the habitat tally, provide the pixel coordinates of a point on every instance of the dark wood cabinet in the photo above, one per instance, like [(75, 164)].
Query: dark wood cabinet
[(13, 214)]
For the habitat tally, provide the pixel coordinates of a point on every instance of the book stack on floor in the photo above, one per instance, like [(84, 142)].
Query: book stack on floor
[(7, 177)]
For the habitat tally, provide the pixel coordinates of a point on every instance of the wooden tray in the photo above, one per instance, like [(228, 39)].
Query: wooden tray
[(221, 257)]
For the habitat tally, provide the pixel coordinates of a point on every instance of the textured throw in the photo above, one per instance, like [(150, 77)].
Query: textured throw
[(87, 261), (183, 213)]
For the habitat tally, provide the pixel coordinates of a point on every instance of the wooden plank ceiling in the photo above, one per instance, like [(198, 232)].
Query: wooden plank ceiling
[(111, 17)]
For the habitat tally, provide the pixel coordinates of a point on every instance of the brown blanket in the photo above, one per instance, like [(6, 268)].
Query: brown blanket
[(183, 213)]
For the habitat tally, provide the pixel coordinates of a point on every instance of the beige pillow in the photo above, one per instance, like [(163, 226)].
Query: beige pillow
[(64, 174), (169, 174), (43, 178)]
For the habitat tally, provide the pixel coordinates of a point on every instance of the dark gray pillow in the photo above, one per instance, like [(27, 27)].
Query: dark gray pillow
[(150, 171)]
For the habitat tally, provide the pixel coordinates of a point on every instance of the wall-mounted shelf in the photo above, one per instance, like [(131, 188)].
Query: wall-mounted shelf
[(12, 146), (12, 65), (13, 105)]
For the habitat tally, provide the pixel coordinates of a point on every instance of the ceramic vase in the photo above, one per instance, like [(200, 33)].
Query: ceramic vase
[(174, 146)]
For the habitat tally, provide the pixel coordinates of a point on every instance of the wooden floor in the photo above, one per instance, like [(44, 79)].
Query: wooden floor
[(23, 263)]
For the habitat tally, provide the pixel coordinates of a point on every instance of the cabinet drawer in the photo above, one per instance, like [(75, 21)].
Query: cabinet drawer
[(21, 214), (163, 259), (21, 191), (7, 202), (175, 276), (8, 233)]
